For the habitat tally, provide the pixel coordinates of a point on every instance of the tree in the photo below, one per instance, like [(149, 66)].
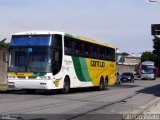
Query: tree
[(155, 55), (156, 49), (4, 44), (146, 56), (156, 45), (150, 56)]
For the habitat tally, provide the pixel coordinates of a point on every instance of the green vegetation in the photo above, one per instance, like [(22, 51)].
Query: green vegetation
[(156, 45), (3, 85), (155, 55), (147, 56), (4, 44)]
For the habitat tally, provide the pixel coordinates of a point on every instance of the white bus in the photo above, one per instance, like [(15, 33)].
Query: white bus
[(147, 70), (56, 60)]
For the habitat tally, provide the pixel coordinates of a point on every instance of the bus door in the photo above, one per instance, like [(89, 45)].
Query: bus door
[(56, 54)]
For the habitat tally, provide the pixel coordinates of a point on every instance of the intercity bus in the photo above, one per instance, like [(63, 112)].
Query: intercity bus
[(147, 70), (57, 60)]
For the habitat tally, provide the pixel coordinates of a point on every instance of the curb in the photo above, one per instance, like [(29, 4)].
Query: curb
[(153, 106), (141, 111), (144, 108), (5, 90)]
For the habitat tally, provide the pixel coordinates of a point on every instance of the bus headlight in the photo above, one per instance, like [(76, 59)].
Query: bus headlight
[(42, 77), (45, 77)]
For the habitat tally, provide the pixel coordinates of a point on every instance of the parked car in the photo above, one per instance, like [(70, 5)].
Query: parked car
[(127, 76)]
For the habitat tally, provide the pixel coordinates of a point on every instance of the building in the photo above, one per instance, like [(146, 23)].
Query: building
[(127, 63)]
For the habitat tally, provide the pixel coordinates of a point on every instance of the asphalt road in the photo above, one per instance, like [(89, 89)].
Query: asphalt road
[(80, 103)]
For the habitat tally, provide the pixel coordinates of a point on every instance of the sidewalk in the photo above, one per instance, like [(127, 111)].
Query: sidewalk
[(154, 109), (6, 89)]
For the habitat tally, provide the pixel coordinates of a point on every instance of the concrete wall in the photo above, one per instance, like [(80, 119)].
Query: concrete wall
[(3, 66), (132, 60), (125, 68)]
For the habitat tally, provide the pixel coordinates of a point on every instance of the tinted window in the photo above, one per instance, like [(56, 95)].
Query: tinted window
[(30, 40), (80, 48), (67, 46)]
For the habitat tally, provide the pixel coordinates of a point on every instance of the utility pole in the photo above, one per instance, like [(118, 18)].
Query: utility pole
[(154, 1), (155, 28)]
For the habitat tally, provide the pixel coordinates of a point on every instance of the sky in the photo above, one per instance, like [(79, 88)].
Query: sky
[(123, 23)]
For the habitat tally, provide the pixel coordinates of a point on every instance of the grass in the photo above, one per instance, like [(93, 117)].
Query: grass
[(3, 85)]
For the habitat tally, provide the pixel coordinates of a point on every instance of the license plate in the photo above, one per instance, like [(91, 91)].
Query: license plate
[(11, 86)]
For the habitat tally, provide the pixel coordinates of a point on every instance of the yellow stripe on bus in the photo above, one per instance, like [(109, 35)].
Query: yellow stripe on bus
[(20, 74)]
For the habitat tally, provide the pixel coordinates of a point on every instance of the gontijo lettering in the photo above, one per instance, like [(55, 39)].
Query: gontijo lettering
[(95, 63)]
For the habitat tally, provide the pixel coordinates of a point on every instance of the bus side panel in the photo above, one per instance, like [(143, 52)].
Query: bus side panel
[(73, 68), (98, 68), (90, 70)]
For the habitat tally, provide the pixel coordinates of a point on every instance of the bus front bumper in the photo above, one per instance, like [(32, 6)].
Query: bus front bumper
[(30, 84), (147, 76)]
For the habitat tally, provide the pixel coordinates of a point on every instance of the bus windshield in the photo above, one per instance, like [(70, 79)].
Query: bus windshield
[(147, 69), (29, 59)]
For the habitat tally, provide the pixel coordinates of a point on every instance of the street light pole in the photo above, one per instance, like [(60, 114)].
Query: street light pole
[(153, 1)]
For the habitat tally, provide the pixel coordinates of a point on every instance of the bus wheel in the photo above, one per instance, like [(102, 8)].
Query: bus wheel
[(66, 86), (101, 84), (30, 91)]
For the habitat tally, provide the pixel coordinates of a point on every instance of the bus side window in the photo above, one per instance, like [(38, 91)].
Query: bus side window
[(102, 51), (72, 46), (113, 55), (107, 54), (94, 51), (90, 51), (78, 48), (82, 49), (110, 54), (67, 46), (98, 54), (86, 49)]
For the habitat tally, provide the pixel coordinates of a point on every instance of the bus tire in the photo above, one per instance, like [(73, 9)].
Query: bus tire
[(101, 84), (66, 85)]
